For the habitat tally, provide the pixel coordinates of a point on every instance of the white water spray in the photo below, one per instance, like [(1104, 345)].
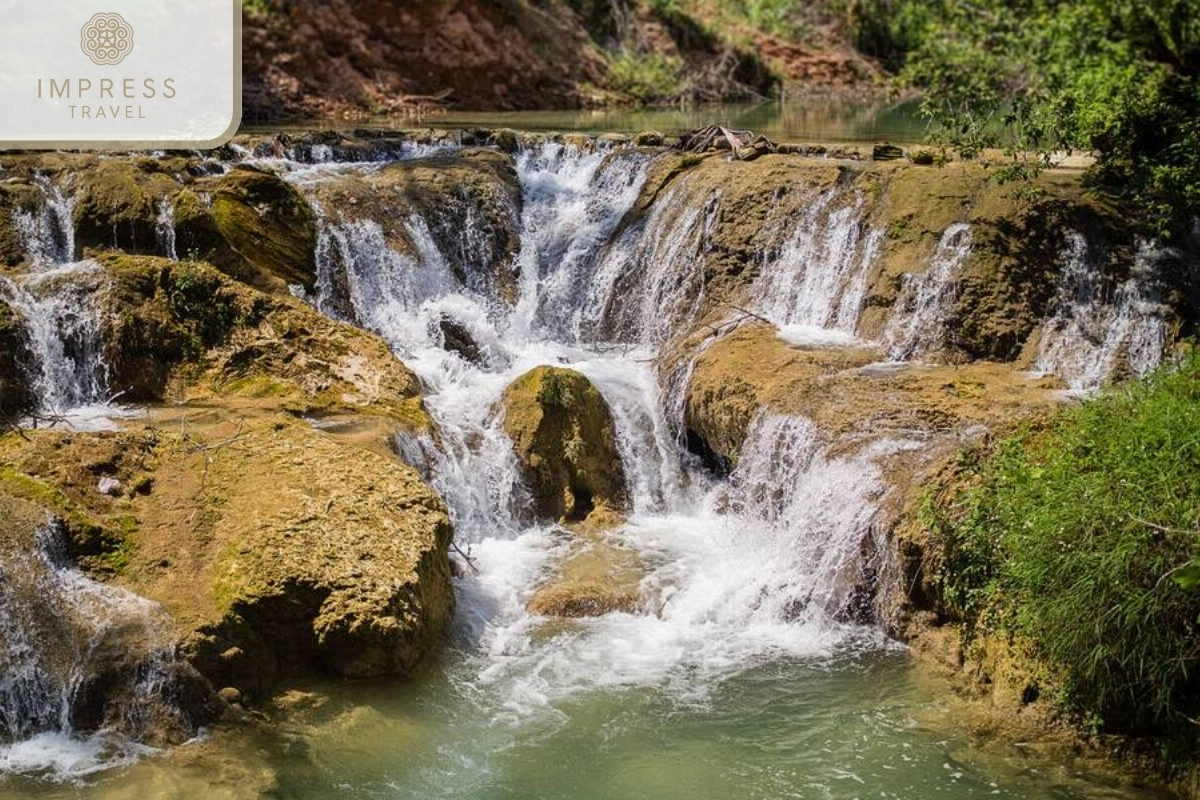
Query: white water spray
[(1099, 332), (919, 317)]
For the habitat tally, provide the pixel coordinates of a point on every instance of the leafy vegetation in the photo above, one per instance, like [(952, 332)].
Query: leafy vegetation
[(646, 78), (1117, 77), (1079, 539)]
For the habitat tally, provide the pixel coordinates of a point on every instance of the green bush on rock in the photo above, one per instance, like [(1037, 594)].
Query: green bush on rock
[(1067, 538)]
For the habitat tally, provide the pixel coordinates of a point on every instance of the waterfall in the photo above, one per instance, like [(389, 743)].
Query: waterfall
[(573, 202), (818, 277), (75, 656), (819, 513), (60, 309), (783, 558), (48, 234), (1098, 332), (650, 282), (918, 323), (164, 229)]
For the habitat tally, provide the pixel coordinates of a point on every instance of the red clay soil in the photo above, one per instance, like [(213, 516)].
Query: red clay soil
[(342, 58)]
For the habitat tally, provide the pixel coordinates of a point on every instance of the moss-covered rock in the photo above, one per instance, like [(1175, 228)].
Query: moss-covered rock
[(118, 202), (563, 432), (183, 330), (844, 391), (254, 226), (16, 197), (277, 549), (16, 394)]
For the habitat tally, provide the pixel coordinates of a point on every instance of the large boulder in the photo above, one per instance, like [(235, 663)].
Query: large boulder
[(186, 331), (251, 224), (277, 549), (563, 432)]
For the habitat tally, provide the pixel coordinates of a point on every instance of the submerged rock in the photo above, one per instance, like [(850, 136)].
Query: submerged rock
[(563, 432), (457, 338), (598, 577)]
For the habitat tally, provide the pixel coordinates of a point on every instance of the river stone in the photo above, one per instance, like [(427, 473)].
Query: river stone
[(597, 577), (563, 432), (251, 224)]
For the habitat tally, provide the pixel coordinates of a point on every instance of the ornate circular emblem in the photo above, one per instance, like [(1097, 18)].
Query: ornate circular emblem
[(106, 39)]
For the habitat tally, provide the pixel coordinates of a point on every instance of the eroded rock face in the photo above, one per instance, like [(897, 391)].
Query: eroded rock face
[(321, 557), (563, 432), (16, 396)]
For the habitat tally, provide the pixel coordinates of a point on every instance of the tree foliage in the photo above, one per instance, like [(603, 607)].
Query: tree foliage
[(1116, 77)]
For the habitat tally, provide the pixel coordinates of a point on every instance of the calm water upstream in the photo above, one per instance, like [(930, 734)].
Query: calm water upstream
[(818, 119)]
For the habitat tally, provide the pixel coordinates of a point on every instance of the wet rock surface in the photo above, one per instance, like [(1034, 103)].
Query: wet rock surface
[(563, 431)]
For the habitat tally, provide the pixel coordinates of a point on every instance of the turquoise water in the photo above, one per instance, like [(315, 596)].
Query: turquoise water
[(842, 726)]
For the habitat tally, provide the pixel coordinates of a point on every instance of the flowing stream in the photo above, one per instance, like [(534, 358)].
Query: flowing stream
[(751, 667)]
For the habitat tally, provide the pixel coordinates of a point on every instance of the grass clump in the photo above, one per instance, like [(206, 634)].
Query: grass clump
[(650, 78), (1078, 538)]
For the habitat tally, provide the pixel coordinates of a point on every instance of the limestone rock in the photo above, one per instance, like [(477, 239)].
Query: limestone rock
[(597, 577), (118, 202), (186, 322), (563, 432), (256, 227), (277, 549)]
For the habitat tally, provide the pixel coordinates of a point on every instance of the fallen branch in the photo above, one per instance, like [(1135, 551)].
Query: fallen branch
[(466, 557)]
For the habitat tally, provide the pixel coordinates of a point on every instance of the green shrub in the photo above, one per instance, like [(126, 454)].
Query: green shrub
[(1114, 77), (646, 78), (1070, 537)]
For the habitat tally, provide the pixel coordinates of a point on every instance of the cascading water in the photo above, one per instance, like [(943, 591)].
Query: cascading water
[(752, 589), (164, 229), (61, 313), (582, 273), (48, 233), (817, 279), (918, 323), (573, 203), (1095, 330), (79, 656)]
